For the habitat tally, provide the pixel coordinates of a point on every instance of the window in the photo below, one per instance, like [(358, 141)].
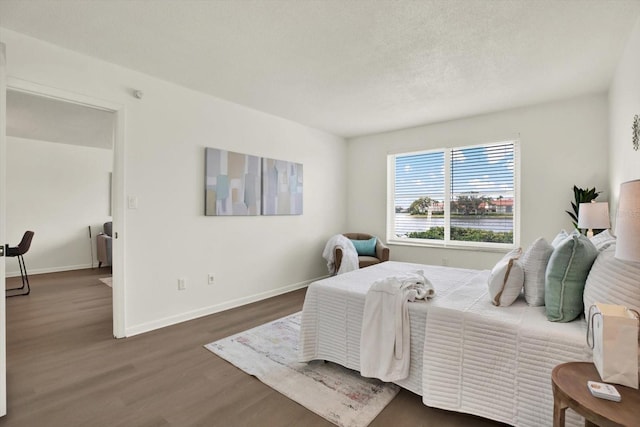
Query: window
[(455, 197)]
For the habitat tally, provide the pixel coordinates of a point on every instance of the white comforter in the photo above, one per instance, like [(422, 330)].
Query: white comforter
[(493, 361), (333, 312), (466, 354)]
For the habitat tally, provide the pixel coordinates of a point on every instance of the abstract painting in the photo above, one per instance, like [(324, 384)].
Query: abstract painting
[(281, 187), (232, 184)]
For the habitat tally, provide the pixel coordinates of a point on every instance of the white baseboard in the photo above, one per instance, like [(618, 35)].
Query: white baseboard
[(32, 271), (183, 317), (206, 311)]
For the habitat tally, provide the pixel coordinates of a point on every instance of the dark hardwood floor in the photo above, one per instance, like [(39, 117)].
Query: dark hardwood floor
[(64, 368)]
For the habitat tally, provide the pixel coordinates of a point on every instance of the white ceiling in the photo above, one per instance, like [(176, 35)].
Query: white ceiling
[(350, 67), (46, 119)]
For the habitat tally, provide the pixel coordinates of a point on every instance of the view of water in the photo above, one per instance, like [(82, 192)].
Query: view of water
[(406, 223)]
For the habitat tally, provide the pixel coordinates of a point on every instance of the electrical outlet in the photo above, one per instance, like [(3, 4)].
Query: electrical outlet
[(211, 279), (182, 284), (445, 261)]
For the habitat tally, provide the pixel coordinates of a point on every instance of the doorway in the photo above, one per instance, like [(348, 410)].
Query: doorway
[(60, 159), (64, 114)]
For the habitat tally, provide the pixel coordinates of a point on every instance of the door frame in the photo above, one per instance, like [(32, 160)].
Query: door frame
[(118, 184), (3, 210)]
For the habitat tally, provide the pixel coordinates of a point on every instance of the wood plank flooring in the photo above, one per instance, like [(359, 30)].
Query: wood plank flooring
[(64, 368)]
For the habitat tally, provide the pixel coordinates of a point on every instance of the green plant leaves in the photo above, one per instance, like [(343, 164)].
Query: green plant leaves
[(581, 195)]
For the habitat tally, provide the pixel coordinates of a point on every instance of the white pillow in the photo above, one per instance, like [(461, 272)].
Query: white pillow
[(559, 238), (603, 240), (506, 279), (612, 281), (534, 262)]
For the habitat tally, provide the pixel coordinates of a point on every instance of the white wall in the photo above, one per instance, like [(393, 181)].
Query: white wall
[(168, 237), (56, 190), (562, 144), (624, 103)]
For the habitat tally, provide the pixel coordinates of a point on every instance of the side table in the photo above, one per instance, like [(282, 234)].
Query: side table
[(569, 383)]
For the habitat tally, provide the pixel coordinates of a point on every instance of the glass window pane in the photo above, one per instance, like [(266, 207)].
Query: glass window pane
[(482, 193), (419, 196)]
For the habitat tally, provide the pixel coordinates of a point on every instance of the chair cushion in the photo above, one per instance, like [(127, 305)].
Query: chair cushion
[(365, 247), (366, 261)]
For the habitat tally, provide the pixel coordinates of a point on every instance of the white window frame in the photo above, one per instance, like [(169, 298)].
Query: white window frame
[(447, 242)]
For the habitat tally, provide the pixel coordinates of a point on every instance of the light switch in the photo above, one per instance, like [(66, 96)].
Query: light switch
[(132, 202)]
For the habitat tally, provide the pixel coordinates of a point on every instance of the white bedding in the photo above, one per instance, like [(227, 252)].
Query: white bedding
[(496, 362), (333, 309), (471, 357)]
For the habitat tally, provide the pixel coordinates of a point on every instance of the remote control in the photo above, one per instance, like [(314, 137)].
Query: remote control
[(604, 391)]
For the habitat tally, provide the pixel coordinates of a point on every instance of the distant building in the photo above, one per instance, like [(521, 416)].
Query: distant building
[(500, 206)]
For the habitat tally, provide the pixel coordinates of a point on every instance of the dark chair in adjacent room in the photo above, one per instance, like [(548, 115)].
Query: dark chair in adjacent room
[(104, 243), (381, 251), (19, 251)]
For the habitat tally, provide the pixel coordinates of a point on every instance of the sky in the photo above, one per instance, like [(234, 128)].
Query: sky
[(479, 170)]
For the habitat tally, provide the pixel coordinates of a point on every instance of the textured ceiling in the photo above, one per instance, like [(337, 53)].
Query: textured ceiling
[(350, 67)]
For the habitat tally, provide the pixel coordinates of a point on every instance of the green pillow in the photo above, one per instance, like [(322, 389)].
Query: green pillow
[(365, 247), (566, 275)]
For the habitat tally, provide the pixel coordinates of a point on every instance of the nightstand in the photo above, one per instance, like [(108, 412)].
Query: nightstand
[(569, 383)]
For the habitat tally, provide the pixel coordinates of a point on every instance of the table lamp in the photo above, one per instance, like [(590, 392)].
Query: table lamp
[(628, 222), (593, 215)]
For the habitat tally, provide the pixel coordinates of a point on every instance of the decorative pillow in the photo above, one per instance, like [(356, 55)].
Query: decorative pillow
[(612, 281), (603, 240), (566, 275), (506, 279), (559, 238), (534, 262), (365, 247)]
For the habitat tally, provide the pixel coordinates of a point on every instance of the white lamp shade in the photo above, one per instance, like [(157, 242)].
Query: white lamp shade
[(594, 215), (628, 222)]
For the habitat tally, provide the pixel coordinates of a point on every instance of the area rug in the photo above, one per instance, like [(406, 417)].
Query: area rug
[(340, 395), (107, 281)]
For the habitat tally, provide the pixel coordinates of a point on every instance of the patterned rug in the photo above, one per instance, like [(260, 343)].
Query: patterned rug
[(269, 352)]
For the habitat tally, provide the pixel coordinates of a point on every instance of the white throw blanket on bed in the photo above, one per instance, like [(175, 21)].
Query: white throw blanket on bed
[(384, 341), (349, 255)]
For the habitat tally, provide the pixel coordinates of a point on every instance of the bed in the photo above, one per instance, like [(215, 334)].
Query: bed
[(466, 354)]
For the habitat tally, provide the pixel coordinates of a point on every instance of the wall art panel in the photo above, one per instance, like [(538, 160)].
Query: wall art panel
[(232, 184), (281, 187)]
